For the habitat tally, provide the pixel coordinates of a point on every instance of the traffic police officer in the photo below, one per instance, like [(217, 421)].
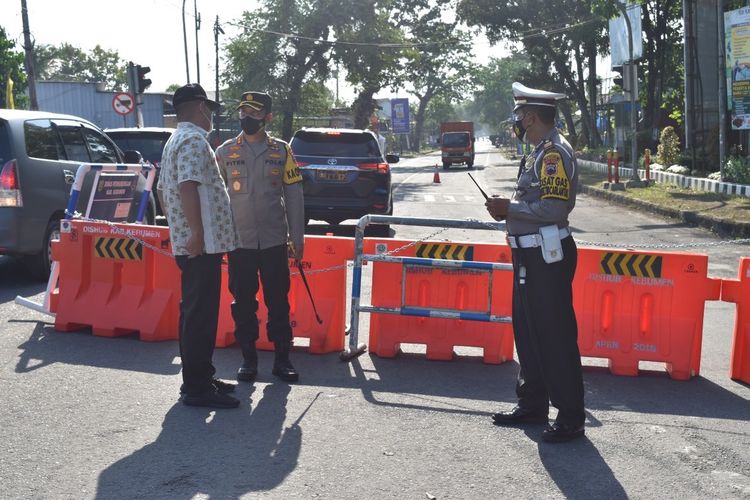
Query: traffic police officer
[(265, 190), (544, 263)]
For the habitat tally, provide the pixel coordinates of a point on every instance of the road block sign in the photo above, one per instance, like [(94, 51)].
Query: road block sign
[(625, 264), (448, 251), (123, 103), (118, 248)]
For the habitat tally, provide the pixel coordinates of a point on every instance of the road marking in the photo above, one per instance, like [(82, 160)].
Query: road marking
[(429, 198), (449, 198)]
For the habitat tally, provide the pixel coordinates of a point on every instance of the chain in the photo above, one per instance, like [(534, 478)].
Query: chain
[(662, 246), (665, 246)]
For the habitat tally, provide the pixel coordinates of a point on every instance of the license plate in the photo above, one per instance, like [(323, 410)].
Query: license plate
[(331, 175)]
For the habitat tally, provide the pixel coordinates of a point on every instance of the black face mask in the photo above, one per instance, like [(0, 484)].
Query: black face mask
[(519, 129), (251, 125)]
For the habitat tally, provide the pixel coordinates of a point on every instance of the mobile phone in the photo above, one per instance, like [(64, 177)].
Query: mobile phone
[(478, 186)]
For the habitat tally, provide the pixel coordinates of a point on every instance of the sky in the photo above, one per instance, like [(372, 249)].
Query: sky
[(149, 33)]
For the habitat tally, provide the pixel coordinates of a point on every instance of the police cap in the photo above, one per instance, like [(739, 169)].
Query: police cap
[(256, 100), (526, 96)]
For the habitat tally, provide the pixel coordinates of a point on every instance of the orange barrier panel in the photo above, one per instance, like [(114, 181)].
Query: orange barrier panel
[(738, 291), (328, 289), (111, 284), (634, 306), (463, 289)]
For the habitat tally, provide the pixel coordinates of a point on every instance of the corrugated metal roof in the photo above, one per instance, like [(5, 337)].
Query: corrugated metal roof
[(83, 100)]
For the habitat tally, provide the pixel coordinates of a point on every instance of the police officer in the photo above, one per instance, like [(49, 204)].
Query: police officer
[(544, 263), (265, 190)]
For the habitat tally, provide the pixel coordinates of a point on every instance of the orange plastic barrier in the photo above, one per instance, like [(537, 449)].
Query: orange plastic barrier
[(738, 291), (634, 306), (463, 289), (328, 289), (113, 285)]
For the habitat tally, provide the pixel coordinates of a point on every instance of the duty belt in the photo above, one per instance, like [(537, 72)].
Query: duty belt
[(533, 240)]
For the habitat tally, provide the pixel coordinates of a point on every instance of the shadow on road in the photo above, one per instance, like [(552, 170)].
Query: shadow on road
[(15, 279), (217, 454)]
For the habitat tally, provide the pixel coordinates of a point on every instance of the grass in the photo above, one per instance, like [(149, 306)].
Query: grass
[(715, 205)]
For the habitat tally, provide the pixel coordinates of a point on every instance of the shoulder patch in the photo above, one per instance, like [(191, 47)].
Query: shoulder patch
[(292, 174), (553, 177), (548, 145)]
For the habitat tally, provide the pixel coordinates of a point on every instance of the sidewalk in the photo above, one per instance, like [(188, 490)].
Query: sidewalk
[(721, 226)]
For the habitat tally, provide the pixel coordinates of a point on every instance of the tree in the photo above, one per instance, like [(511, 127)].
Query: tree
[(562, 51), (493, 100), (284, 46), (11, 65), (439, 66), (370, 63), (72, 64)]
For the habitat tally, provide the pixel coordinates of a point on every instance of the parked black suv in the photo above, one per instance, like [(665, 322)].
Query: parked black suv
[(149, 141), (39, 155), (345, 173)]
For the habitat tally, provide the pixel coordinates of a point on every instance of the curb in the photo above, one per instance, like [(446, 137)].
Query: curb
[(722, 227)]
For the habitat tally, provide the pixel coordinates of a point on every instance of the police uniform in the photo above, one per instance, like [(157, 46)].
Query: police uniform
[(544, 264), (265, 191)]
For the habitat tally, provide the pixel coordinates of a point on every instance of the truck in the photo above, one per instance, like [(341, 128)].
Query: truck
[(457, 143)]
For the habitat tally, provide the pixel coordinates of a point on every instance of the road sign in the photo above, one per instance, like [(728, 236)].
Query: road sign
[(123, 103)]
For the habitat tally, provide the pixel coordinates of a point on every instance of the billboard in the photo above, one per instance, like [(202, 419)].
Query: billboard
[(737, 42), (618, 36), (400, 116)]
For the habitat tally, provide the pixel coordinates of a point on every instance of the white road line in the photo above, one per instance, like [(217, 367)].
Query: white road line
[(449, 198), (429, 198)]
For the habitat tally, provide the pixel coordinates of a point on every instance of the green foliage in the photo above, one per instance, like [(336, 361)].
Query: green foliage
[(260, 59), (69, 63), (736, 168), (11, 64), (668, 152), (493, 100)]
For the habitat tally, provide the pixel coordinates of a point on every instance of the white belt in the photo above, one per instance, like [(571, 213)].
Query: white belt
[(533, 240)]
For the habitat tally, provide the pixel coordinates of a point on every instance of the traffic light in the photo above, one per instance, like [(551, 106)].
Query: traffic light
[(142, 83)]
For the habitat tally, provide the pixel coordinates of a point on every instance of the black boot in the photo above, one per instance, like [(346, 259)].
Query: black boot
[(249, 369), (282, 366)]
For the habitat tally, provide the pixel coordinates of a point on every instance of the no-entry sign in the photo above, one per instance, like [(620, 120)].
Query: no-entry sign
[(123, 103)]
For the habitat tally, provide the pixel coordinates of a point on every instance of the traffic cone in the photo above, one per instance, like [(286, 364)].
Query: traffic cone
[(436, 175)]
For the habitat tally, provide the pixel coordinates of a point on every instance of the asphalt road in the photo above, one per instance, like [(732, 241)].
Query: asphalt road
[(89, 417)]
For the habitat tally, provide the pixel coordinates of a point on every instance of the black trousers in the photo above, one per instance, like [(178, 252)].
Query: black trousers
[(272, 265), (199, 318), (546, 333)]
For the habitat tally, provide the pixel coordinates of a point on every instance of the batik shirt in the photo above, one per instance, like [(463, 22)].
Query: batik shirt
[(188, 157)]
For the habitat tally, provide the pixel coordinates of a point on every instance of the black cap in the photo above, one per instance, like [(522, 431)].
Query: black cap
[(192, 92), (256, 100)]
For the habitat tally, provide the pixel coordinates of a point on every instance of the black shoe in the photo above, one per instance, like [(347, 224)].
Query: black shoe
[(221, 386), (560, 433), (249, 369), (519, 415), (211, 399), (282, 366)]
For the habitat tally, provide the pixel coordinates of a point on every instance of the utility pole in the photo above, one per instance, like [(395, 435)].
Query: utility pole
[(217, 30), (197, 52), (722, 89), (184, 37), (29, 56), (635, 180)]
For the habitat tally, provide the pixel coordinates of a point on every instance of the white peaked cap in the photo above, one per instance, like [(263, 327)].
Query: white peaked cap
[(525, 96)]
